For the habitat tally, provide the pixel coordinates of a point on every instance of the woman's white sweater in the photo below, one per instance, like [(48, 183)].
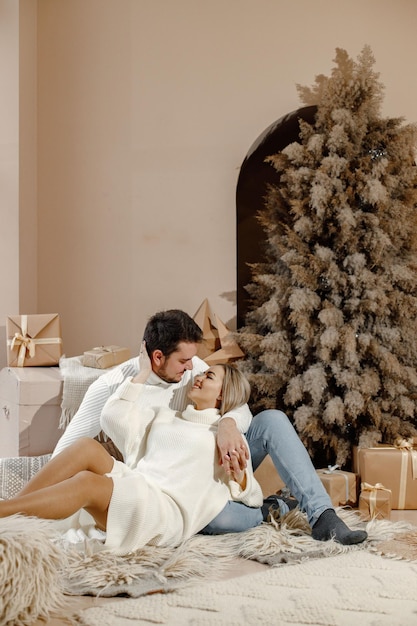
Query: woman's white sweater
[(171, 484)]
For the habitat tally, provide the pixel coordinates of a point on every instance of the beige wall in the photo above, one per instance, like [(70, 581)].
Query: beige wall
[(145, 111), (18, 198), (9, 164), (28, 147)]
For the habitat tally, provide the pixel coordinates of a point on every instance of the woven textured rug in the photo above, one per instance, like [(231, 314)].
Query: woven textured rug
[(355, 587), (153, 569)]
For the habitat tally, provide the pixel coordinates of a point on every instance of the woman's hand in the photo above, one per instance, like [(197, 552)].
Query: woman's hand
[(233, 451), (145, 365), (237, 474)]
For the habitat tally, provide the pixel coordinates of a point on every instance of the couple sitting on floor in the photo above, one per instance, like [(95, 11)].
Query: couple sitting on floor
[(187, 468)]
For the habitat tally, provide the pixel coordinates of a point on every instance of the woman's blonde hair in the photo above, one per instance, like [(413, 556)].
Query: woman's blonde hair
[(235, 388)]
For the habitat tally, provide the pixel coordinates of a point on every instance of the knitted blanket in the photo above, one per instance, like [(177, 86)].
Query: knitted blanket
[(76, 381)]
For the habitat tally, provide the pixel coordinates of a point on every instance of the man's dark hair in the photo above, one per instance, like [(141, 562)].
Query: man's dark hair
[(166, 329)]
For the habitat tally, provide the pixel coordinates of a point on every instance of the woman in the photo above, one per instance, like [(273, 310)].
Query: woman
[(170, 486)]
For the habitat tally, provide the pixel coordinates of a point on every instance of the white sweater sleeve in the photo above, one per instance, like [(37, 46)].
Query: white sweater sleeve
[(126, 423), (86, 422), (242, 416), (252, 495)]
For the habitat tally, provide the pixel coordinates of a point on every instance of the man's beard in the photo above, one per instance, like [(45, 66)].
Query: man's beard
[(162, 374)]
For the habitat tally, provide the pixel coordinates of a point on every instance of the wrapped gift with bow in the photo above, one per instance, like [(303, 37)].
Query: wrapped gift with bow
[(395, 466), (103, 357), (340, 485), (375, 501), (33, 340)]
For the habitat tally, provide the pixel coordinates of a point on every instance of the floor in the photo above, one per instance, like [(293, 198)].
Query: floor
[(241, 568)]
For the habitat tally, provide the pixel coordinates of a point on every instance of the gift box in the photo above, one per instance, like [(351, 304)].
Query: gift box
[(375, 501), (268, 477), (394, 467), (105, 356), (30, 401), (33, 340), (341, 486)]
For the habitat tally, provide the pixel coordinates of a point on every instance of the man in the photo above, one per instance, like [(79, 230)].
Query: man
[(171, 339)]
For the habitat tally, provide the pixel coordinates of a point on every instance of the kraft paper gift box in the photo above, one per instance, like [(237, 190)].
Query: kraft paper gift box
[(340, 485), (375, 501), (105, 356), (33, 340), (30, 410), (394, 467), (218, 345), (268, 477)]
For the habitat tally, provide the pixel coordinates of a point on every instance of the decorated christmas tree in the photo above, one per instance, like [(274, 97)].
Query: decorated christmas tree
[(331, 334)]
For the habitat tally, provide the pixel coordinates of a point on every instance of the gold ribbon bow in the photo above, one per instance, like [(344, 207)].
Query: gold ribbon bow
[(373, 489), (404, 444), (24, 343)]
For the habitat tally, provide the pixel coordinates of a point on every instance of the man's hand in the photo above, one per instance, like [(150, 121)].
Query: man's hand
[(233, 451)]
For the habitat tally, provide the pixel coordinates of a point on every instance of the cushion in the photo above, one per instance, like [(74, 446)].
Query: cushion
[(15, 472)]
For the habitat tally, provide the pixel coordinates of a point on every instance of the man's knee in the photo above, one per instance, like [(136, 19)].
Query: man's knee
[(234, 518), (269, 421)]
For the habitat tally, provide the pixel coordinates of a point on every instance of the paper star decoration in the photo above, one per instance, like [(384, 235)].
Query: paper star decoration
[(217, 346)]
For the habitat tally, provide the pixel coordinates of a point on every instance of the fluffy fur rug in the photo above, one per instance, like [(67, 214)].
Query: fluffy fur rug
[(35, 569), (30, 566), (164, 569)]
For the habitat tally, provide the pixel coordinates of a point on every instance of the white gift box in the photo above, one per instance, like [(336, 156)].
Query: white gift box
[(30, 410)]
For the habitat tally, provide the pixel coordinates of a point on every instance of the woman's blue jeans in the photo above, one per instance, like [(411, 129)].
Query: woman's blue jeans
[(271, 432)]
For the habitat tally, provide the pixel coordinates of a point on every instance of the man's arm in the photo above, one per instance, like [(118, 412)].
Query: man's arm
[(86, 422), (241, 416)]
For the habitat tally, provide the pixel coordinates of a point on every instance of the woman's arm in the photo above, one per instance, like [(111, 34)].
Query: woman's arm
[(125, 422), (248, 491), (243, 485)]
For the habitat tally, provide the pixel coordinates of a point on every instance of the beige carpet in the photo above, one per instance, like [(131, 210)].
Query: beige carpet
[(352, 588)]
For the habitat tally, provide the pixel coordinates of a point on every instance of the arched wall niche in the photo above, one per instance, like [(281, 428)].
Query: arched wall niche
[(254, 177)]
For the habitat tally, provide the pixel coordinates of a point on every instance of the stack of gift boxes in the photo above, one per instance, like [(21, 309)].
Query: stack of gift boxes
[(384, 477), (31, 387)]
